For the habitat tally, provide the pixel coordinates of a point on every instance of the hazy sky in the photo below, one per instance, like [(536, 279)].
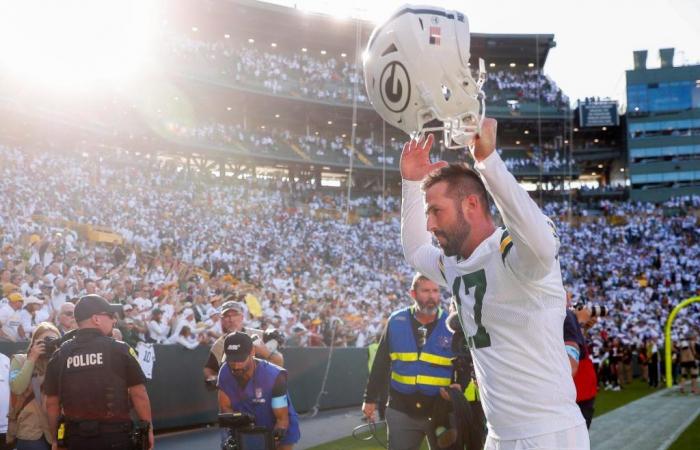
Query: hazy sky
[(595, 38)]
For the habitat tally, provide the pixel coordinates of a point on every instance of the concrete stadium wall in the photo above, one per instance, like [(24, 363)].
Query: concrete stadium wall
[(180, 398)]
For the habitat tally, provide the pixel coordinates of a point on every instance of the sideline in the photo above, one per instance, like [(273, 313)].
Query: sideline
[(652, 422)]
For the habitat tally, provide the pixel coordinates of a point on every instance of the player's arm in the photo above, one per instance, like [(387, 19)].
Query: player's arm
[(415, 238), (142, 405), (280, 403), (573, 340), (211, 368), (136, 383), (53, 411), (262, 350), (534, 239), (224, 403), (573, 352), (52, 403), (378, 380), (275, 357)]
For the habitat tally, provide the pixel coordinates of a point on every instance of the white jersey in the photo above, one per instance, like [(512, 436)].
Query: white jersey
[(511, 302)]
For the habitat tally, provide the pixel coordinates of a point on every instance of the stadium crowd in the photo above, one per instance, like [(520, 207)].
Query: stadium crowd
[(189, 246), (525, 86), (549, 162), (639, 263), (327, 78), (286, 253), (270, 141)]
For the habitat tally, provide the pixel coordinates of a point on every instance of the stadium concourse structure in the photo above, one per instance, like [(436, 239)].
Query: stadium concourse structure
[(265, 29), (242, 88)]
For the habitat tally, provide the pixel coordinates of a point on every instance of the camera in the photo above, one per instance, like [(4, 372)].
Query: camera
[(596, 310), (50, 345), (274, 335), (244, 435)]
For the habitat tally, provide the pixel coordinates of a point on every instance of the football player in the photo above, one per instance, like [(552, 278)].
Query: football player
[(506, 284)]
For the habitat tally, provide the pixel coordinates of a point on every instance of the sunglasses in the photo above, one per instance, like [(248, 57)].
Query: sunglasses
[(68, 313)]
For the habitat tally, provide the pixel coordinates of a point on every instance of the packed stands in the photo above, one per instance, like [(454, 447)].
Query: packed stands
[(331, 79), (335, 149), (286, 250)]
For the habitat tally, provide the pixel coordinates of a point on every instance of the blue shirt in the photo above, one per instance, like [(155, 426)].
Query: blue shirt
[(255, 397)]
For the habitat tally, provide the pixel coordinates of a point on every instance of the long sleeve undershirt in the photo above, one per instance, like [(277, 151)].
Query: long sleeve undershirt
[(535, 243), (20, 376)]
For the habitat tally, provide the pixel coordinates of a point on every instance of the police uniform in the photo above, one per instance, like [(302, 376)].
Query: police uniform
[(90, 374)]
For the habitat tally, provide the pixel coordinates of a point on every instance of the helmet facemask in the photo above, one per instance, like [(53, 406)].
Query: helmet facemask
[(459, 131)]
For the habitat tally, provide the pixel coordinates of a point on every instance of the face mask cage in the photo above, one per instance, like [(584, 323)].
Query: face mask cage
[(459, 132)]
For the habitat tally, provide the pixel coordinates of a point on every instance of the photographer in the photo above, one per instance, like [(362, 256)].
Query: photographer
[(28, 420), (582, 369), (265, 343), (250, 385)]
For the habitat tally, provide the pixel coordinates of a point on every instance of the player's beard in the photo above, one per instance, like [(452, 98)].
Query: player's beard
[(454, 237)]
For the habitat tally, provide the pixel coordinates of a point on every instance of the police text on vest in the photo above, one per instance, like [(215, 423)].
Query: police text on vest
[(90, 359)]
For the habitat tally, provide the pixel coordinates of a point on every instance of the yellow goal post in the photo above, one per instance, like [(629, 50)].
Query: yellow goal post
[(668, 346)]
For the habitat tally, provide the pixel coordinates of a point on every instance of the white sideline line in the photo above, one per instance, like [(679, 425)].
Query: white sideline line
[(672, 438)]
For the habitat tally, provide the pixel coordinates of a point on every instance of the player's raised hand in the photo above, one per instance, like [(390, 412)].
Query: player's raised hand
[(485, 141), (415, 159)]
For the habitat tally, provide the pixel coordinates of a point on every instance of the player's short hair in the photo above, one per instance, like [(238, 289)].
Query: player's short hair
[(417, 279), (461, 181)]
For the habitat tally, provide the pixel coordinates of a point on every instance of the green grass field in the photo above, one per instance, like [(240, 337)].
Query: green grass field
[(605, 402), (690, 439)]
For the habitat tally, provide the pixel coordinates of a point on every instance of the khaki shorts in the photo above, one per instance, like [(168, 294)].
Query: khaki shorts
[(689, 369)]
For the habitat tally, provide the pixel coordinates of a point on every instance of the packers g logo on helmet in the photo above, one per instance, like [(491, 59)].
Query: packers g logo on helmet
[(416, 69), (395, 87)]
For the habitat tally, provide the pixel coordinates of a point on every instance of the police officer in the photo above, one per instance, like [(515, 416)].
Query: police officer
[(254, 386), (232, 314), (415, 359), (91, 378)]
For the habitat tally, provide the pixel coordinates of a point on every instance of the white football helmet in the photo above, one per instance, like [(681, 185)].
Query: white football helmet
[(416, 70)]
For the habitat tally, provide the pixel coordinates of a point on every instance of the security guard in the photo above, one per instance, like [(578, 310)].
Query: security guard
[(90, 379), (415, 359)]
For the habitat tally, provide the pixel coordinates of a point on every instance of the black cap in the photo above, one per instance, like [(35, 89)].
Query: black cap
[(89, 305), (237, 346)]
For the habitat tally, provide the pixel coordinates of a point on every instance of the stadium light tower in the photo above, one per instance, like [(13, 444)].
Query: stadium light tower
[(73, 45)]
